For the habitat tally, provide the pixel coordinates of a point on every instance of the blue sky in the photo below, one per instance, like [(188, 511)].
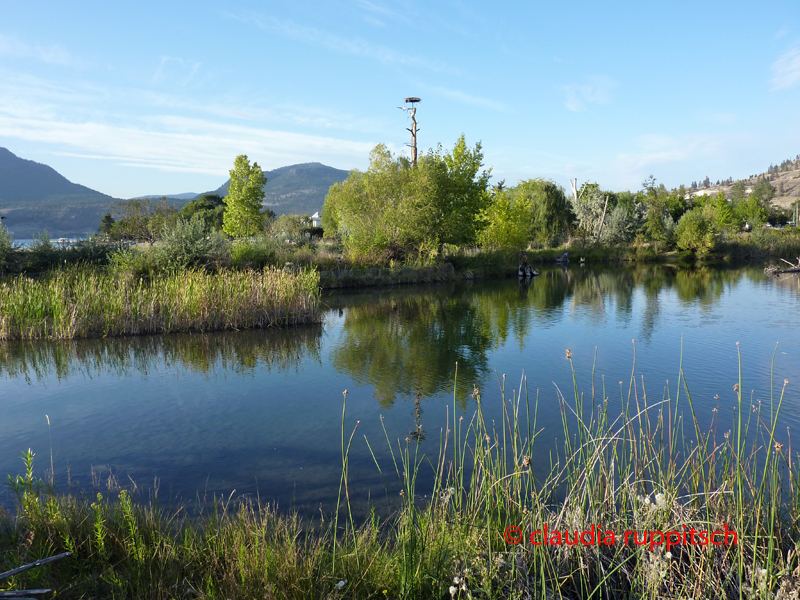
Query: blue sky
[(160, 97)]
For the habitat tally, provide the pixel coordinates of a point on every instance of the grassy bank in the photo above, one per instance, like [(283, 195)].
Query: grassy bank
[(642, 469), (85, 302)]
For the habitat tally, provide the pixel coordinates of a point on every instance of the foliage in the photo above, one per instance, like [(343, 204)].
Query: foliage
[(462, 191), (289, 226), (208, 207), (550, 211), (245, 194), (189, 244), (506, 222), (621, 224), (695, 231), (107, 224), (142, 220), (6, 247), (589, 208)]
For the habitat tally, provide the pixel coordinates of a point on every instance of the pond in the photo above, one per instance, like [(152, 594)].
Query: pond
[(199, 416)]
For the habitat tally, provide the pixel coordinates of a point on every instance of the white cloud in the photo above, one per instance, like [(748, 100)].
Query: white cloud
[(786, 70), (54, 55), (351, 46), (465, 98), (184, 145), (595, 90)]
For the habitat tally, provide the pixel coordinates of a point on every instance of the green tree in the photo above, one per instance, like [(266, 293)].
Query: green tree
[(107, 223), (589, 209), (210, 208), (395, 209), (695, 231), (142, 220), (245, 194), (506, 222), (550, 211)]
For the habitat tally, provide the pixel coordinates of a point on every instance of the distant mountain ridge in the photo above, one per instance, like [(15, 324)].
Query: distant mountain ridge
[(35, 197), (24, 180), (296, 189)]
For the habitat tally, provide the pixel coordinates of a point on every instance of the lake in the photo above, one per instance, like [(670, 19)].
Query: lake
[(260, 412)]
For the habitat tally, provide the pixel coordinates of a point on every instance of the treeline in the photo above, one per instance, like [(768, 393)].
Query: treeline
[(395, 210)]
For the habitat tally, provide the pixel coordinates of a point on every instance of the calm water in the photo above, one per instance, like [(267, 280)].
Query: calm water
[(260, 412)]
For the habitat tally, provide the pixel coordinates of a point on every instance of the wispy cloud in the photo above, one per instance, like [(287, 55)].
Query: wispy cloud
[(786, 70), (176, 70), (54, 55), (350, 46), (595, 90), (183, 145), (465, 98)]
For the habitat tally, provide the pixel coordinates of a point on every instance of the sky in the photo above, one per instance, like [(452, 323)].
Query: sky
[(160, 97)]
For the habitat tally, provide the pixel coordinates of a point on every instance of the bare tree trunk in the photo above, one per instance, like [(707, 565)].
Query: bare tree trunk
[(603, 220)]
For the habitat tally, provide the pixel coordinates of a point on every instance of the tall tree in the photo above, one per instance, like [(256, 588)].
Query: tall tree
[(245, 194)]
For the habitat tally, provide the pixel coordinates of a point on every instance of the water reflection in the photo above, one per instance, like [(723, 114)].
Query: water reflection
[(207, 353), (260, 411)]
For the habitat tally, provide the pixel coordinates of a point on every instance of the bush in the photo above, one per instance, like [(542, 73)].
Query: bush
[(189, 244), (696, 232), (254, 253)]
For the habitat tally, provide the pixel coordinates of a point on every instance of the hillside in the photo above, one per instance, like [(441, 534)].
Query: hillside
[(785, 178), (297, 189), (35, 197)]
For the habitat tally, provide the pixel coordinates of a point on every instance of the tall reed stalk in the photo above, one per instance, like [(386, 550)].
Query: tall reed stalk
[(84, 302)]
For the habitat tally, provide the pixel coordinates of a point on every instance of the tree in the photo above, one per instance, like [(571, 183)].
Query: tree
[(208, 207), (695, 231), (589, 208), (550, 210), (107, 223), (245, 194), (395, 209), (142, 219)]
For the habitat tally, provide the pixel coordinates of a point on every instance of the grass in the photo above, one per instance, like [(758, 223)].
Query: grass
[(84, 302), (644, 469)]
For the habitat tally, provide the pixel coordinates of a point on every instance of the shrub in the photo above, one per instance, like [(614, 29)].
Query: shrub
[(696, 232), (190, 244)]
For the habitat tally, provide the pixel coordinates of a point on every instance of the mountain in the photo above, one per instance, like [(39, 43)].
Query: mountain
[(185, 196), (35, 197), (784, 177), (297, 189)]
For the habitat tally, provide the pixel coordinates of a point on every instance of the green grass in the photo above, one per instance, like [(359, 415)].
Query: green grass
[(646, 468), (84, 302)]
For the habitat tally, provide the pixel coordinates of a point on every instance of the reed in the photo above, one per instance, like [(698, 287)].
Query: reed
[(645, 466), (84, 302)]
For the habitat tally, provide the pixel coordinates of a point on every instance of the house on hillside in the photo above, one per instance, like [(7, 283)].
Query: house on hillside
[(316, 221)]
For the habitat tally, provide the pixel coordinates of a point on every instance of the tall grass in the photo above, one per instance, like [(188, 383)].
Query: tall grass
[(641, 468), (84, 302)]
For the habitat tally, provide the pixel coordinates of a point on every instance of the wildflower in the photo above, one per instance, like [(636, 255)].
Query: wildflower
[(526, 461), (727, 434), (735, 387), (668, 555), (716, 396), (778, 447), (408, 439), (488, 439), (453, 590), (402, 493), (647, 501), (661, 500), (569, 354), (341, 584), (785, 382), (385, 592)]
